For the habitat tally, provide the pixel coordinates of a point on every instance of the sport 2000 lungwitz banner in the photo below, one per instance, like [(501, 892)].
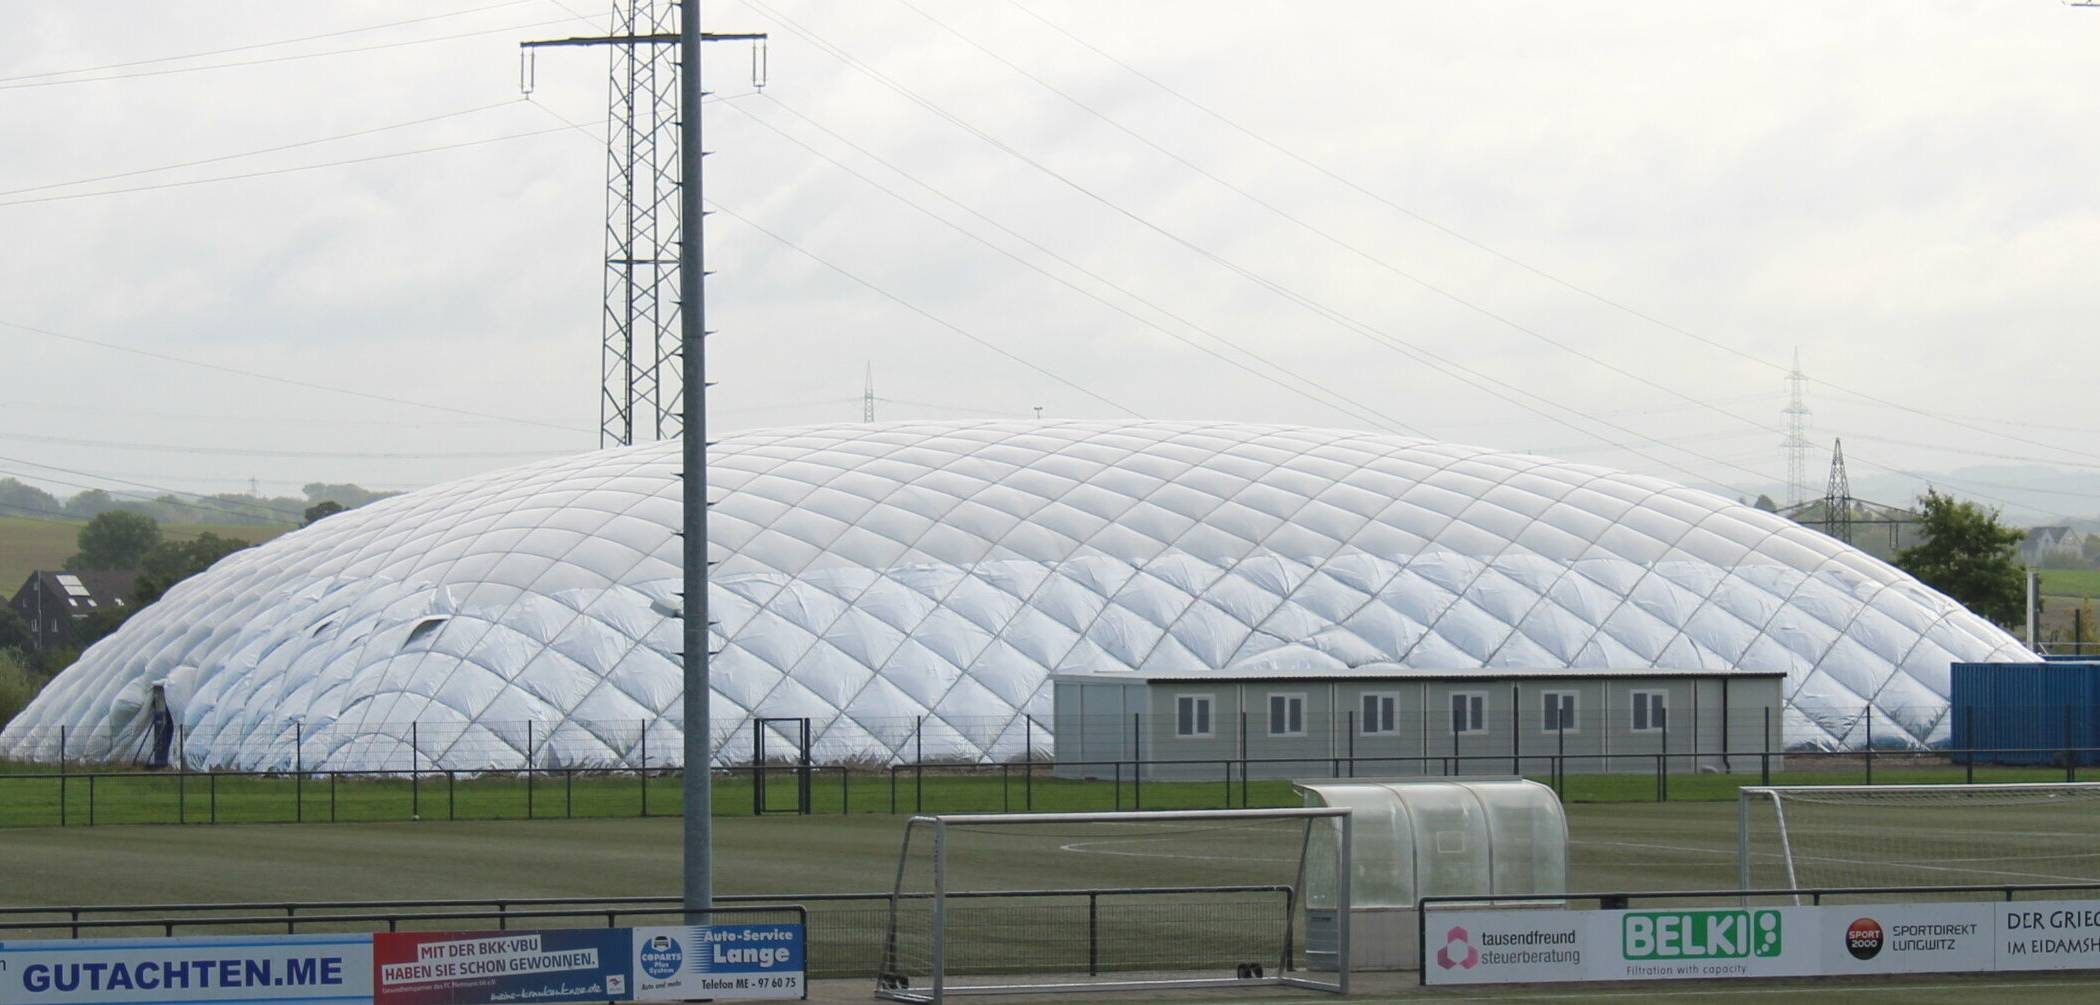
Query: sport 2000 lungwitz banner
[(1522, 946)]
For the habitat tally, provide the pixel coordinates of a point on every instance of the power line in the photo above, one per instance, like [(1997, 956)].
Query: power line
[(281, 171), (199, 500), (22, 84), (783, 241), (261, 151), (171, 448), (288, 381), (921, 311), (1325, 235), (263, 45), (1497, 253), (1456, 371), (1357, 409)]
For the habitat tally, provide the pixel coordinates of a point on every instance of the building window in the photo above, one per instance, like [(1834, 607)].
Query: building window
[(1649, 710), (1378, 713), (1192, 715), (1557, 712), (1286, 715), (1469, 712)]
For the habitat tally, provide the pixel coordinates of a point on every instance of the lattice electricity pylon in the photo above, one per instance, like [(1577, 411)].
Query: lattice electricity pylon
[(643, 396), (1837, 496)]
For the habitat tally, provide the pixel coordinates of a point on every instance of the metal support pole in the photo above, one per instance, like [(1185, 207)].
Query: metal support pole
[(692, 336), (415, 772), (1869, 713), (1969, 760), (1137, 760), (298, 772), (1764, 770)]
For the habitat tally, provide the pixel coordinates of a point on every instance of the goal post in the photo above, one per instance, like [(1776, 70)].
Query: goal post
[(1033, 903), (1799, 837)]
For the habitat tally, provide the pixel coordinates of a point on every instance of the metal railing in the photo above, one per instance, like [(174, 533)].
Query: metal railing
[(73, 798), (845, 930)]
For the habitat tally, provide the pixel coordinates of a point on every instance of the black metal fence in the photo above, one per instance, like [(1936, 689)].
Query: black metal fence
[(845, 931), (68, 798)]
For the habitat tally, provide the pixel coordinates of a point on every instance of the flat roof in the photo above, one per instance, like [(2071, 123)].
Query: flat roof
[(1395, 672)]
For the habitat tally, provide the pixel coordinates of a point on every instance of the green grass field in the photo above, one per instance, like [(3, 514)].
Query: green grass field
[(2071, 583), (28, 544), (1628, 847)]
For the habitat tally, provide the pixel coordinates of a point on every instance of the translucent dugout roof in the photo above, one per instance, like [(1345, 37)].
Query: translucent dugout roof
[(1433, 837)]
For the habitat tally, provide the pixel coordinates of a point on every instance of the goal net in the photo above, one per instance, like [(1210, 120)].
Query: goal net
[(1802, 837), (1033, 903)]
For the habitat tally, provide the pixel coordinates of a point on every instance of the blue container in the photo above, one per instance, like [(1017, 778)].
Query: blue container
[(2026, 713)]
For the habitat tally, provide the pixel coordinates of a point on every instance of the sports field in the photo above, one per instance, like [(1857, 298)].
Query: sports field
[(1633, 847)]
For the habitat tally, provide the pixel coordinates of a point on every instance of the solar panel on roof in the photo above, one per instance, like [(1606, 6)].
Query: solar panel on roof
[(72, 585)]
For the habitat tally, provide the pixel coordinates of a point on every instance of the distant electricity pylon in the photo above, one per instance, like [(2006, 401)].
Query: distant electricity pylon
[(867, 396), (1796, 444), (1837, 496)]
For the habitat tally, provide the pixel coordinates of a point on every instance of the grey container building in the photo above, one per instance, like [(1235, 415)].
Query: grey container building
[(1385, 720)]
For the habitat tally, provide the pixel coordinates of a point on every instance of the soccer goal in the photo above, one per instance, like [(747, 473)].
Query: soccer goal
[(1068, 902), (1799, 837)]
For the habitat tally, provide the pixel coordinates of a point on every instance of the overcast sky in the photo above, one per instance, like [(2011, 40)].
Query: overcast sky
[(1596, 231)]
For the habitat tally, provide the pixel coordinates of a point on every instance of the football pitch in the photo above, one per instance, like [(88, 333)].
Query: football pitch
[(1629, 847)]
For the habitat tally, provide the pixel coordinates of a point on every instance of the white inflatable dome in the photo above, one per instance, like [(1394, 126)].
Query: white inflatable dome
[(871, 577)]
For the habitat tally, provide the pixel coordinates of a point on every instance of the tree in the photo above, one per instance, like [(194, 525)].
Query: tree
[(1765, 502), (116, 540), (27, 499), (319, 510), (171, 562), (14, 632), (1968, 555)]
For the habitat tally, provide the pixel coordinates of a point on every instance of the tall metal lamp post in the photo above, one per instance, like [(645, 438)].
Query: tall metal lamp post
[(692, 296)]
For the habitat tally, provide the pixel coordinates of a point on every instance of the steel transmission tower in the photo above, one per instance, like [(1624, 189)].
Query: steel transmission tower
[(867, 396), (641, 397), (1796, 443), (1837, 496)]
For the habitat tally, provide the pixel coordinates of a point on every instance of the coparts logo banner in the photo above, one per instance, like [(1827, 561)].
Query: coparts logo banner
[(1457, 950)]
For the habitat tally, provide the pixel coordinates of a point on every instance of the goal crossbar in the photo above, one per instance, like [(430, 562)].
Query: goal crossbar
[(938, 824)]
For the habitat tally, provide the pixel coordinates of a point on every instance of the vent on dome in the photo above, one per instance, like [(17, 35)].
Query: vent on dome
[(424, 629)]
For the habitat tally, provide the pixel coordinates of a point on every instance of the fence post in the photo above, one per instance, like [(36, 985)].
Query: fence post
[(1869, 713), (1352, 743), (415, 770), (451, 800), (1243, 759), (1969, 720), (1662, 762), (918, 760), (1028, 767), (1137, 760), (643, 773), (61, 774), (91, 800), (298, 772), (1765, 759), (1560, 754), (528, 769), (1516, 760), (2070, 756), (1093, 934)]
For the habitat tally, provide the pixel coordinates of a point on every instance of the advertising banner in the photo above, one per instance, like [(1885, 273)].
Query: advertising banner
[(469, 968), (719, 961), (305, 968), (1492, 947), (2048, 935)]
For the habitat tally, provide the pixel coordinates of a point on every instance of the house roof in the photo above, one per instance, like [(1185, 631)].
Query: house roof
[(83, 592)]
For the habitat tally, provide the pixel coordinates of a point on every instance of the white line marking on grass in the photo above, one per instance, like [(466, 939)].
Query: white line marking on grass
[(1700, 989)]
